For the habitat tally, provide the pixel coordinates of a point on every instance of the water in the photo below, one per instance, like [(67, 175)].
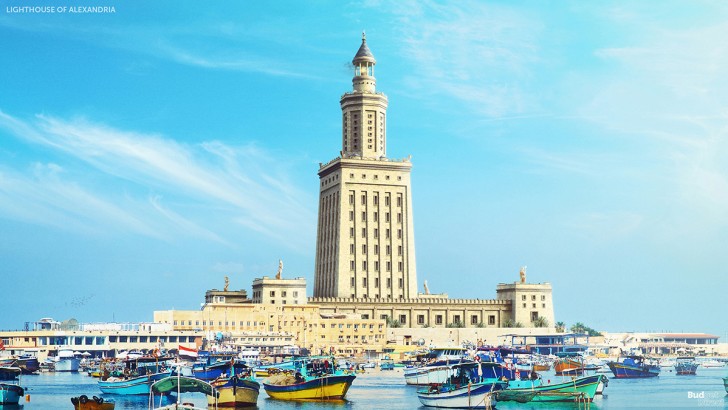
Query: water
[(386, 390)]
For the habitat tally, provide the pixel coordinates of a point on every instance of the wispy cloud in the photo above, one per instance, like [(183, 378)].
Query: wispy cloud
[(479, 54), (206, 183), (668, 88)]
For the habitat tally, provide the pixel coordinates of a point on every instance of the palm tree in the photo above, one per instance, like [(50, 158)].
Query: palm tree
[(509, 323), (560, 327), (578, 327), (540, 322)]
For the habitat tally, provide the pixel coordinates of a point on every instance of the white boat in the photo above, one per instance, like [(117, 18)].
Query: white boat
[(66, 361), (712, 363), (437, 367), (667, 363), (463, 389)]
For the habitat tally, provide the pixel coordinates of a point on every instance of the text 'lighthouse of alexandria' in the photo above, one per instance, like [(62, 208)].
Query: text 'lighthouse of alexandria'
[(365, 251), (365, 245)]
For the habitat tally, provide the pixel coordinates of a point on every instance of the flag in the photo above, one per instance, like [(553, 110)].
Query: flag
[(187, 352), (2, 345)]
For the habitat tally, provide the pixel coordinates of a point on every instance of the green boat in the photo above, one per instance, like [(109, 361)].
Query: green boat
[(580, 389)]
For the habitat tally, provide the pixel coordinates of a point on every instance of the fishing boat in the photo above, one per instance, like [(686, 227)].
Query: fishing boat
[(463, 389), (569, 363), (712, 363), (180, 384), (628, 367), (66, 361), (82, 402), (134, 375), (10, 393), (437, 366), (386, 364), (580, 389), (317, 380), (234, 392), (266, 370), (28, 364), (217, 369), (686, 365)]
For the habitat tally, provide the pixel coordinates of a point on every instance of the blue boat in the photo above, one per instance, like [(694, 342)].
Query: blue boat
[(212, 371), (10, 393), (686, 366), (130, 386), (463, 389), (386, 364), (632, 367)]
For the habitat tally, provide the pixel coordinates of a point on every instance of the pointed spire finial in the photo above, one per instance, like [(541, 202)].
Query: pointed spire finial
[(363, 35)]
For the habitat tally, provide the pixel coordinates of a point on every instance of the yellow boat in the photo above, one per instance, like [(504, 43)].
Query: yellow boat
[(325, 387), (234, 392)]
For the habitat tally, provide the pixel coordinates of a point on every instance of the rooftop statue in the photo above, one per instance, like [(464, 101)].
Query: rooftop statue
[(523, 274), (227, 283), (280, 268)]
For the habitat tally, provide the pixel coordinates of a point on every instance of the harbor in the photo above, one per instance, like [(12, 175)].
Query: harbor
[(386, 389), (154, 179)]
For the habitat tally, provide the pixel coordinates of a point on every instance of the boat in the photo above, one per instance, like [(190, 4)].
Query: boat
[(134, 375), (317, 380), (627, 367), (28, 364), (686, 365), (265, 370), (236, 391), (463, 389), (181, 384), (712, 363), (725, 384), (10, 393), (437, 367), (386, 364), (82, 402), (217, 369), (580, 389), (66, 361), (569, 363)]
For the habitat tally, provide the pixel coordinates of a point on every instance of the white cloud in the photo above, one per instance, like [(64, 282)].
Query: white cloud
[(205, 183), (479, 54)]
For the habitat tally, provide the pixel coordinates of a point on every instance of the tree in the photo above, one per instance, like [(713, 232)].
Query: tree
[(512, 323), (579, 327), (540, 322), (560, 327), (456, 323)]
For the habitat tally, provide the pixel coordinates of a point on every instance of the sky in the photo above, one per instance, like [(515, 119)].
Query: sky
[(148, 152)]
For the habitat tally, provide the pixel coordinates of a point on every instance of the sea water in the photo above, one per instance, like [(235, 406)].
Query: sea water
[(378, 389)]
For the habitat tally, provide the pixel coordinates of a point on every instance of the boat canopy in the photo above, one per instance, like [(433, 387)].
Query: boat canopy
[(183, 385)]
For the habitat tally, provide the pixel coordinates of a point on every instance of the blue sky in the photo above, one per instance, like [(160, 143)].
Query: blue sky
[(146, 154)]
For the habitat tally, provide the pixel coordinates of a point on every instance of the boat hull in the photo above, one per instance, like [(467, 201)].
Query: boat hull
[(580, 389), (320, 388), (725, 384), (69, 364), (94, 403), (475, 396), (234, 393), (10, 393), (129, 387), (624, 371), (568, 366)]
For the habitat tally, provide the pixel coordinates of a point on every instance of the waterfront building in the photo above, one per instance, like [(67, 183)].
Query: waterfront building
[(365, 249), (279, 291), (365, 241)]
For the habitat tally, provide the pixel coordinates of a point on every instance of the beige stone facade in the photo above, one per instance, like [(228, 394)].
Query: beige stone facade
[(424, 312), (365, 241), (529, 301), (301, 325), (279, 291)]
